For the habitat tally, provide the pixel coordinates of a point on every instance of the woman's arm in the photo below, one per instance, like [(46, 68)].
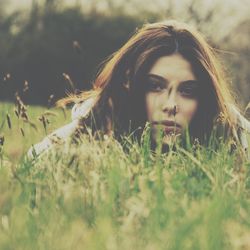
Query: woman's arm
[(59, 136)]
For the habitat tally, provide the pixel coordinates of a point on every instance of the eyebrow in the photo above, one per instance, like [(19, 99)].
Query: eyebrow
[(162, 79)]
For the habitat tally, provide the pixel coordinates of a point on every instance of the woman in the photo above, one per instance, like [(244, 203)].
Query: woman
[(166, 75)]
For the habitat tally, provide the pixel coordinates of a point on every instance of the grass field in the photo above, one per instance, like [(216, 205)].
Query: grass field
[(20, 134), (100, 196)]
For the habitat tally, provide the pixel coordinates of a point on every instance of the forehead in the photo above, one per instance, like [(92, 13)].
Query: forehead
[(173, 67)]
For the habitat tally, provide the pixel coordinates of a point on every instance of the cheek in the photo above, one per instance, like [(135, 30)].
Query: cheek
[(188, 109), (151, 106)]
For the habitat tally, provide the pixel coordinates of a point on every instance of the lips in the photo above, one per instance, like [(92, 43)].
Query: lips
[(169, 127)]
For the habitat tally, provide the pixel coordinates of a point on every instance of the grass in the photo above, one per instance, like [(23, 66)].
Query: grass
[(99, 196), (21, 134)]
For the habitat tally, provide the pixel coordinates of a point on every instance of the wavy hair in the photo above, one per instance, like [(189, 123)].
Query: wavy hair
[(119, 87)]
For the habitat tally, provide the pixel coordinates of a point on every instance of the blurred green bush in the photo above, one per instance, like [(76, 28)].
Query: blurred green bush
[(40, 44), (52, 42)]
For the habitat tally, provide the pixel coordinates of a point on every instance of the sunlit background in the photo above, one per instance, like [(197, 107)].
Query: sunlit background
[(42, 41)]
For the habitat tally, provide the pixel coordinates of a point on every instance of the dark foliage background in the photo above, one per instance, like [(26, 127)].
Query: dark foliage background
[(53, 42), (39, 45)]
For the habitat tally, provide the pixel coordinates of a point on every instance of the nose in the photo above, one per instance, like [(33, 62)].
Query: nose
[(169, 102)]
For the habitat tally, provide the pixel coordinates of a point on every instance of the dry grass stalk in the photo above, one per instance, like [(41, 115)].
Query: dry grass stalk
[(44, 122), (8, 121), (77, 47), (26, 86), (7, 77), (49, 113), (68, 79), (1, 140), (247, 109), (16, 113), (33, 125), (22, 132), (50, 100), (21, 110)]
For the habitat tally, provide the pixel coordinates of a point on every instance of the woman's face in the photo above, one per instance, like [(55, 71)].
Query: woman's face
[(171, 96)]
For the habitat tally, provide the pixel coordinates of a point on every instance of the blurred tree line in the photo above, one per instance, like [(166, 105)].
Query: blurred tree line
[(47, 49)]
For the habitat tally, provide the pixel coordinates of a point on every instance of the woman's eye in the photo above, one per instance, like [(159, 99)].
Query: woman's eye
[(155, 86), (188, 91)]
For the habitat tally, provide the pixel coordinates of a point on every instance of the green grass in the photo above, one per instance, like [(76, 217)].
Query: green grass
[(16, 144), (99, 196)]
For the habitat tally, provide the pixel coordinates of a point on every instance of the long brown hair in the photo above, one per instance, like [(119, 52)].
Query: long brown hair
[(119, 88)]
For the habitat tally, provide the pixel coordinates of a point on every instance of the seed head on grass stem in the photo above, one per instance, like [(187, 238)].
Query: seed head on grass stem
[(16, 113), (25, 86), (22, 132), (8, 121), (21, 110), (1, 140), (7, 77), (77, 47), (70, 82), (50, 100), (43, 120)]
